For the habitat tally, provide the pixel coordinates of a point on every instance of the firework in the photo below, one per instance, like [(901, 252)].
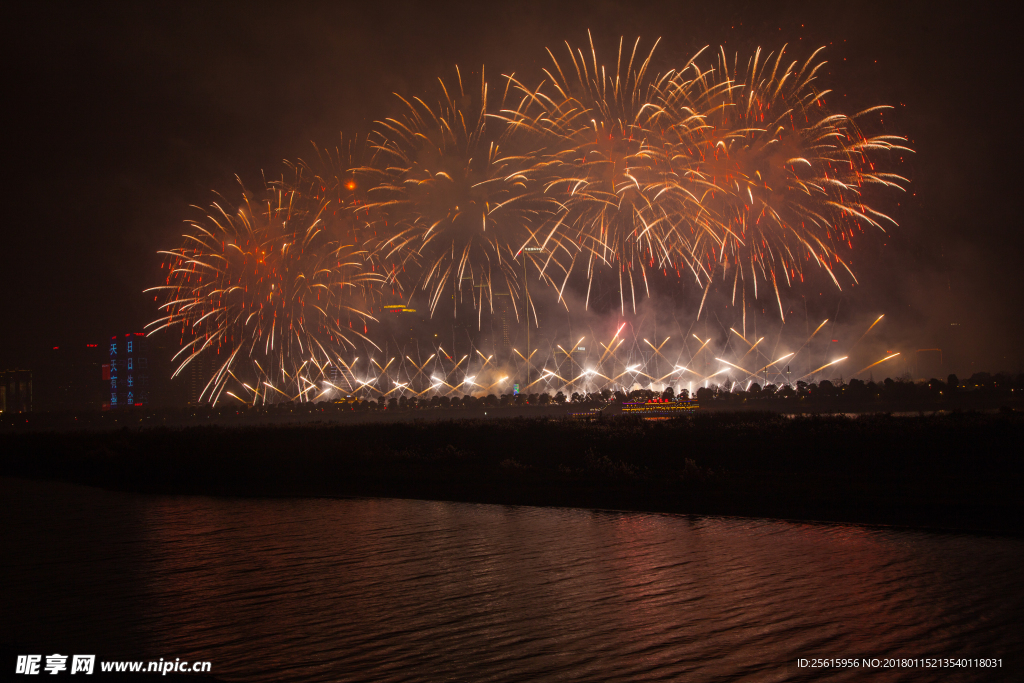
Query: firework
[(458, 193), (838, 360), (621, 359), (338, 177), (747, 177), (622, 204), (736, 177), (784, 180), (877, 362), (271, 287), (331, 176)]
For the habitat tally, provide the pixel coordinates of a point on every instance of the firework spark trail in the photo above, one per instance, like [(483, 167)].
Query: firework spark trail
[(757, 373), (657, 350), (783, 179), (870, 327), (838, 360), (622, 206), (753, 347), (722, 360), (271, 279), (615, 366), (338, 177), (707, 170), (877, 362), (458, 190), (808, 340), (736, 176)]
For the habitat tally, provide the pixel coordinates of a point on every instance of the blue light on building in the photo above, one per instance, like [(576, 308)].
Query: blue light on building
[(128, 371)]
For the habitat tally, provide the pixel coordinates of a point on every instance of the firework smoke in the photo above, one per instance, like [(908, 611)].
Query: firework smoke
[(739, 178)]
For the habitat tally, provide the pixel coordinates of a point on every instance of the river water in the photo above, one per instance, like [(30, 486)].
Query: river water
[(404, 590)]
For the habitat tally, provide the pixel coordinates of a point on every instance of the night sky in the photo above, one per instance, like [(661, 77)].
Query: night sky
[(121, 116)]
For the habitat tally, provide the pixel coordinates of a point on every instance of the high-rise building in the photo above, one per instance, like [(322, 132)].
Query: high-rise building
[(127, 371), (196, 375), (15, 391), (403, 321), (69, 378), (503, 315), (341, 377)]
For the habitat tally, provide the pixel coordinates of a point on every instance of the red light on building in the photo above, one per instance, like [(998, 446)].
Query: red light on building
[(90, 346), (55, 348)]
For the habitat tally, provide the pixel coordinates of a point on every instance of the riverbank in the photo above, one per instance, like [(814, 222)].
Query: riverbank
[(953, 471), (488, 409)]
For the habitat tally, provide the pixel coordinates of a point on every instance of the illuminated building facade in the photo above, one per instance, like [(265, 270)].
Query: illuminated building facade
[(659, 407), (70, 378), (402, 320), (503, 315), (341, 377), (196, 375), (403, 323), (15, 391), (126, 374)]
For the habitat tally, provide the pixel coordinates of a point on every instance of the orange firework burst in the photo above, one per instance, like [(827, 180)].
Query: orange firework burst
[(783, 179), (459, 206), (623, 202), (740, 176), (270, 280)]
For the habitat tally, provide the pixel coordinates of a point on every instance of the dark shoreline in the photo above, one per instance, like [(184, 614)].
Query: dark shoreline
[(959, 471)]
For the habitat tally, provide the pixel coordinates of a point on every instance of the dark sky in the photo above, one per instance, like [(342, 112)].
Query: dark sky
[(121, 116)]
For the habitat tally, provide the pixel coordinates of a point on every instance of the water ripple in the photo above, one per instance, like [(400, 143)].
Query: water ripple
[(398, 590)]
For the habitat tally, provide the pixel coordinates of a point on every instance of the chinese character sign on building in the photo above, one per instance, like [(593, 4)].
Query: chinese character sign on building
[(128, 372)]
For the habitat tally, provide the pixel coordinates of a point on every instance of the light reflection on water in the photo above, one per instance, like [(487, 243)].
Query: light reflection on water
[(381, 589)]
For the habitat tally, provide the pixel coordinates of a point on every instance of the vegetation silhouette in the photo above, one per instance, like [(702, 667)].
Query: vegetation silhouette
[(959, 470)]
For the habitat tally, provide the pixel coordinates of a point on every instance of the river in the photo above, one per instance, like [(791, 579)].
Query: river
[(403, 590)]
